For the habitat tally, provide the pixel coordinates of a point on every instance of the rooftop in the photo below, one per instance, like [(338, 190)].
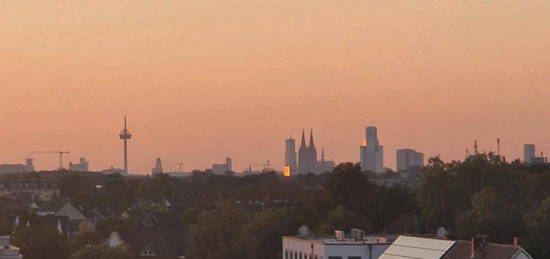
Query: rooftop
[(332, 240)]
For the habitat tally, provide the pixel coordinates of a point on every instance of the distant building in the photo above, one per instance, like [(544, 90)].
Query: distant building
[(82, 166), (158, 167), (407, 158), (372, 153), (290, 154), (307, 154), (17, 168), (113, 170), (332, 247), (223, 168), (7, 250), (160, 235), (307, 158), (529, 155), (323, 166), (82, 220), (41, 191)]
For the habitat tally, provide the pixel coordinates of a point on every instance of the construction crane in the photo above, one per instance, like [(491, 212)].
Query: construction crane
[(61, 153), (265, 165)]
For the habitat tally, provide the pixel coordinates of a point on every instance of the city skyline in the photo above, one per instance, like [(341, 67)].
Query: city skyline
[(202, 81), (144, 165)]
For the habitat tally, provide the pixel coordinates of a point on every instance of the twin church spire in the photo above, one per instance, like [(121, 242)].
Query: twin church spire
[(307, 155), (311, 141), (306, 161)]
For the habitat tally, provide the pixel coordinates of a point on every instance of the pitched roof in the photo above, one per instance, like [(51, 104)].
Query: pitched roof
[(161, 233), (462, 250), (73, 212), (408, 247)]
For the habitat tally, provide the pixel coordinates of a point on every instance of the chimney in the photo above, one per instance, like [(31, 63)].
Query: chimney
[(516, 241), (339, 235), (472, 248)]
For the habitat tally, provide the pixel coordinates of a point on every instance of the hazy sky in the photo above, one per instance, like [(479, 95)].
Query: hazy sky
[(205, 79)]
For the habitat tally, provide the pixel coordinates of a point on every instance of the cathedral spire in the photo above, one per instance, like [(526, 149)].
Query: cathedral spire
[(311, 142), (303, 139)]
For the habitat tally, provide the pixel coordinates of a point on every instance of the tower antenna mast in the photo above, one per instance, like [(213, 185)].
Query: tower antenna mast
[(125, 136)]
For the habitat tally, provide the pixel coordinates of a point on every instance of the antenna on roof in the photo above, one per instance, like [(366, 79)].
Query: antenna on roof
[(498, 146), (475, 147)]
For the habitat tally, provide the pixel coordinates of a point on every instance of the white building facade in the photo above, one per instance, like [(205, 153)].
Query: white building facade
[(331, 248)]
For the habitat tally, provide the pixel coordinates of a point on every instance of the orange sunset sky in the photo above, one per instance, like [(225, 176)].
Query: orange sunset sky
[(205, 79)]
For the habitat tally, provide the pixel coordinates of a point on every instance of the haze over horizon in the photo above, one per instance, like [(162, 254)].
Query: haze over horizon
[(201, 80)]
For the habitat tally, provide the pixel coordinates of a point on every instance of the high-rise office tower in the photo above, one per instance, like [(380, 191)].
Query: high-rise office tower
[(372, 153), (528, 153), (407, 158), (125, 136), (290, 154)]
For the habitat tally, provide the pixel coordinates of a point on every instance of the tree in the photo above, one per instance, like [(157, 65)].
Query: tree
[(437, 196), (268, 227), (219, 233), (390, 203), (539, 226), (342, 218), (155, 188), (42, 242), (73, 183), (348, 186), (488, 216), (116, 192), (105, 252)]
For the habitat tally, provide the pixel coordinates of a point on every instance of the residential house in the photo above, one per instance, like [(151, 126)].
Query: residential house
[(160, 235), (406, 247), (8, 251)]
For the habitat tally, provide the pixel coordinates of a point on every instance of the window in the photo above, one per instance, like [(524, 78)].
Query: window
[(286, 255), (334, 257), (354, 257)]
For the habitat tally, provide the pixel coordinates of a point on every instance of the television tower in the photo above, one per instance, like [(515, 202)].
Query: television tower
[(125, 136)]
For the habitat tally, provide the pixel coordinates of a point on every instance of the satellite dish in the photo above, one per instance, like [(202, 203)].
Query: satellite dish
[(442, 232)]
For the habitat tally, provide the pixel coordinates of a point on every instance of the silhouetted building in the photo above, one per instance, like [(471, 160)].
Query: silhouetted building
[(323, 166), (290, 154), (223, 168), (82, 166), (529, 155), (407, 158), (307, 158), (113, 170), (158, 167), (372, 153), (17, 168), (41, 191), (307, 154)]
